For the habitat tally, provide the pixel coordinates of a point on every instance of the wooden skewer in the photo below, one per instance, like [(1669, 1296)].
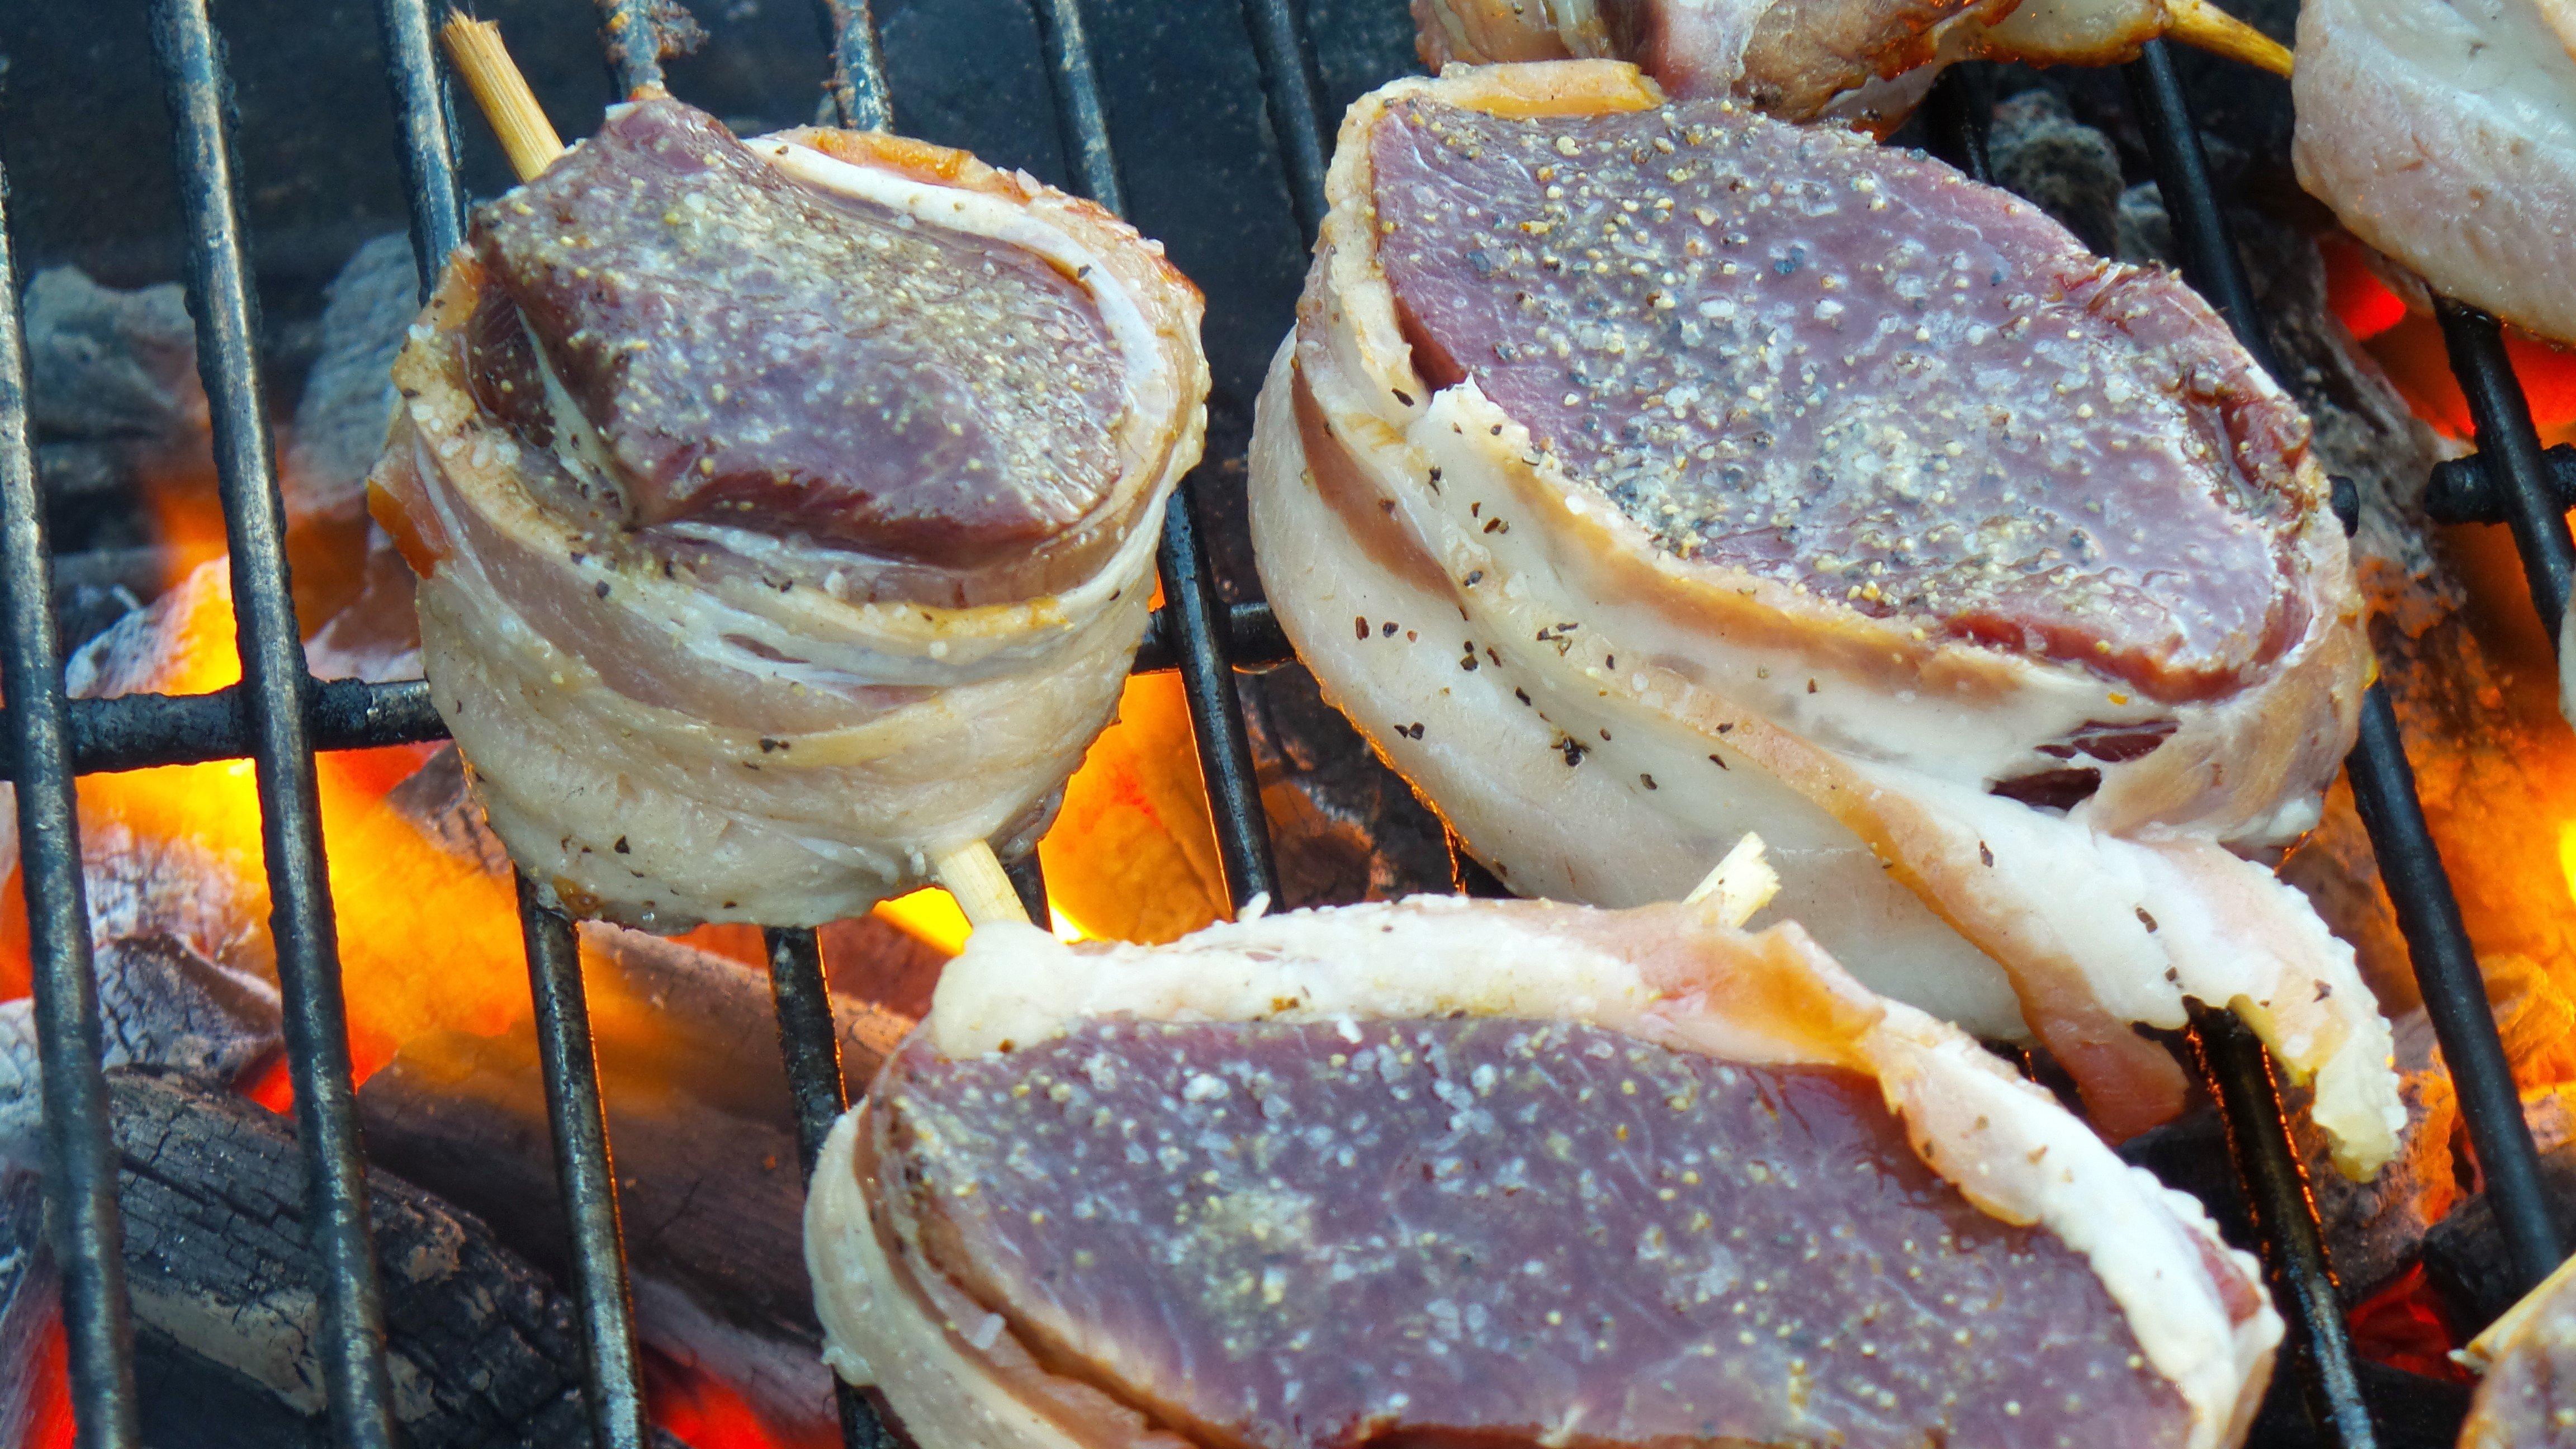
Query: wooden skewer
[(971, 872), (2199, 23), (1741, 884), (527, 137), (2487, 1347)]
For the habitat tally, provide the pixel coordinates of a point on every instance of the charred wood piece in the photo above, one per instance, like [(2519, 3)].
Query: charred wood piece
[(28, 1303), (163, 1006), (483, 1346), (2465, 1258), (706, 1156)]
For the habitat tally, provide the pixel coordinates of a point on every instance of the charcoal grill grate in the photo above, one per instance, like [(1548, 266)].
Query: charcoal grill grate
[(279, 715)]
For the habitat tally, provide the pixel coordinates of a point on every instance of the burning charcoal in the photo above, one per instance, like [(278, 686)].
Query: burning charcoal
[(2143, 232), (435, 799), (2373, 1229), (2058, 164), (706, 1157), (28, 1303), (484, 1349), (1604, 473), (104, 364), (1452, 1171), (2465, 1257), (1345, 827), (348, 400), (163, 1006)]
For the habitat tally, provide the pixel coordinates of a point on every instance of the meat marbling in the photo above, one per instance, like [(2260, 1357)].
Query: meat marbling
[(785, 510), (1498, 1173), (1644, 472)]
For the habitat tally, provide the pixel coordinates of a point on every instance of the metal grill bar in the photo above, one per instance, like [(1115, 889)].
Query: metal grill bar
[(634, 43), (144, 731), (1280, 44), (857, 84), (80, 1156), (810, 1045), (276, 708), (610, 1369), (2384, 791), (2509, 454), (428, 147), (1194, 614), (2230, 1057), (140, 731), (2233, 1060)]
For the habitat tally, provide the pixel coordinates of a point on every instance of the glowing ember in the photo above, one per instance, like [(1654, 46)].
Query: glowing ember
[(49, 1405), (2403, 1325), (700, 1411), (2409, 347)]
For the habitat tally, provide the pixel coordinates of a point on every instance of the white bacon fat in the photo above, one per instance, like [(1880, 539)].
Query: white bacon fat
[(2445, 136)]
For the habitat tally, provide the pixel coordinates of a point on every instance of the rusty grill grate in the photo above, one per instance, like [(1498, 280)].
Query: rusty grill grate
[(279, 715)]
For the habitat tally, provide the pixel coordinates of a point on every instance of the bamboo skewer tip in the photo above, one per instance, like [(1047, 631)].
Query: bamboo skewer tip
[(527, 137), (973, 874), (2203, 25)]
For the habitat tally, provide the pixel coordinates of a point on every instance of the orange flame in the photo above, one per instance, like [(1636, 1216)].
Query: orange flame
[(2408, 346)]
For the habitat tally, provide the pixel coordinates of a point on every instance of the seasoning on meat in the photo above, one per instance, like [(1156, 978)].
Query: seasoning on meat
[(1840, 367)]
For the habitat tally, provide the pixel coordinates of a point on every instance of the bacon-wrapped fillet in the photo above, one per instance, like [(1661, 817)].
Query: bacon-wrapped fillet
[(2445, 136), (1640, 474), (2528, 1398), (1867, 61), (1453, 1171), (785, 510)]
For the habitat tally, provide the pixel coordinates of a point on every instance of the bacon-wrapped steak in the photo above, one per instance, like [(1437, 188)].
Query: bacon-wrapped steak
[(1643, 473), (2528, 1398), (1866, 61), (1499, 1173), (785, 510)]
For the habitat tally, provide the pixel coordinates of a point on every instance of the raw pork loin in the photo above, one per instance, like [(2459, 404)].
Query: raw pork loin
[(1644, 473), (785, 511), (1454, 1171), (2443, 132)]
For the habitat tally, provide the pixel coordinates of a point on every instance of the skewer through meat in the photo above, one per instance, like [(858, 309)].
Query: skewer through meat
[(1453, 1171), (785, 510), (1641, 473), (1865, 61), (2445, 136)]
